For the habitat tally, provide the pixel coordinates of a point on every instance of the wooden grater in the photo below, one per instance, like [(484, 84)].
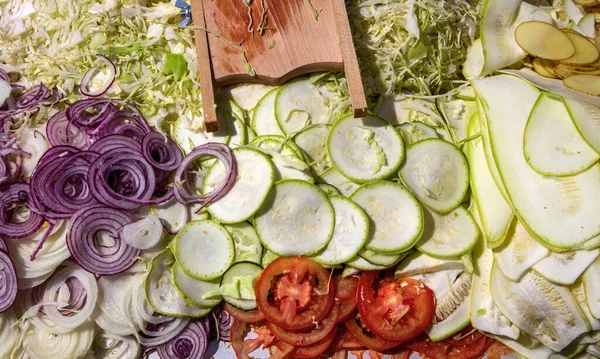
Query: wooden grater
[(293, 43)]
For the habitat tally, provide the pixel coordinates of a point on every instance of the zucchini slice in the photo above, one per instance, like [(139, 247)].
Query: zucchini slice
[(586, 117), (197, 292), (565, 268), (416, 131), (237, 285), (298, 104), (313, 141), (519, 252), (204, 249), (296, 219), (544, 310), (246, 242), (263, 117), (437, 173), (395, 216), (448, 235), (335, 178), (591, 278), (494, 212), (562, 212), (350, 232), (382, 259), (551, 144), (420, 263), (365, 149), (255, 177), (161, 293)]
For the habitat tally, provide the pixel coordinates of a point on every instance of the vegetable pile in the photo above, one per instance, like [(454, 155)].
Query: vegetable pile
[(442, 224)]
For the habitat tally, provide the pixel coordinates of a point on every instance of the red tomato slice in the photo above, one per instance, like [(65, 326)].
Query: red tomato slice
[(396, 310), (366, 337), (280, 350), (448, 349), (316, 349), (344, 340), (347, 310), (345, 288), (246, 316), (294, 292), (306, 338), (242, 346)]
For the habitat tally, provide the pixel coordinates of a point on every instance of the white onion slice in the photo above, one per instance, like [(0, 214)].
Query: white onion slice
[(144, 233)]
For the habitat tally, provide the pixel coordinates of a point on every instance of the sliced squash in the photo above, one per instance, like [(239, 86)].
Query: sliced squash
[(543, 40), (585, 51), (589, 84)]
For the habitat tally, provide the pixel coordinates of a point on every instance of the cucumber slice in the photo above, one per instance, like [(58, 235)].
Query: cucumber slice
[(263, 117), (551, 143), (246, 242), (562, 212), (237, 285), (267, 258), (328, 189), (204, 249), (360, 263), (335, 178), (543, 310), (591, 278), (519, 252), (255, 177), (565, 268), (416, 131), (313, 141), (161, 293), (365, 149), (586, 117), (296, 219), (350, 232), (437, 173), (382, 259), (420, 263), (452, 311), (395, 216), (197, 292), (485, 314), (495, 213), (448, 235), (298, 104)]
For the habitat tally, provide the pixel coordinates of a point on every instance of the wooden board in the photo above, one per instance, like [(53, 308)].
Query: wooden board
[(294, 43)]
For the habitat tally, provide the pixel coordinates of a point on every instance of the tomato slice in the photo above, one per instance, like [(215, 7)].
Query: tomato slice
[(396, 310), (316, 349), (347, 310), (246, 316), (294, 292), (473, 347), (366, 337), (345, 288), (306, 338), (344, 340), (242, 346), (280, 350)]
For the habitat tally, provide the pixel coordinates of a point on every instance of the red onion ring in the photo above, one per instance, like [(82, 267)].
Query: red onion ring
[(13, 195), (60, 132), (161, 152), (122, 179), (3, 246), (82, 241), (33, 96), (190, 343), (129, 122), (4, 76), (184, 192), (87, 78), (8, 282), (222, 324), (111, 142), (101, 110)]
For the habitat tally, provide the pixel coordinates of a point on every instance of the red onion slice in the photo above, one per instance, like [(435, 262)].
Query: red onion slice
[(91, 112), (129, 122), (15, 197), (191, 343), (3, 246), (8, 282), (111, 142), (185, 193), (33, 96), (60, 132), (91, 227), (84, 86), (161, 152)]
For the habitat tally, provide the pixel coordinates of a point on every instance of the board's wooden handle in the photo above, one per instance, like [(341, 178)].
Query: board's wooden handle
[(351, 69), (204, 68)]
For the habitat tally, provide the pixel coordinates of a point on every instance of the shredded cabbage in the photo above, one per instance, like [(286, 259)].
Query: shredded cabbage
[(55, 42)]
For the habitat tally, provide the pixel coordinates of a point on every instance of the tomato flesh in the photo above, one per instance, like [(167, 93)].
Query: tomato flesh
[(396, 310), (344, 340), (468, 346), (347, 310), (367, 337), (246, 316), (316, 349), (294, 292), (345, 288), (306, 338), (242, 346)]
